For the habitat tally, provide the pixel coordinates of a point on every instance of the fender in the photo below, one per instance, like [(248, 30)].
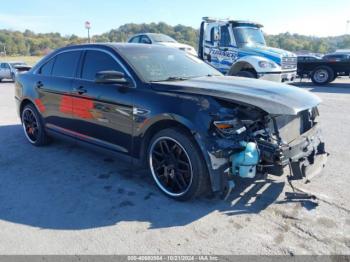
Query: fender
[(148, 123), (37, 104), (214, 171), (253, 62)]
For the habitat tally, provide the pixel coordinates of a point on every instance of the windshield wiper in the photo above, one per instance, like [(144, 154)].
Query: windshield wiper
[(172, 78), (210, 75)]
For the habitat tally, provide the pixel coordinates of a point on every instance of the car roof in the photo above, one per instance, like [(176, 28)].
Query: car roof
[(118, 47), (338, 53), (114, 45), (148, 34), (232, 21)]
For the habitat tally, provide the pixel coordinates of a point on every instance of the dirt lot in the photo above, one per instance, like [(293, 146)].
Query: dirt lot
[(65, 199)]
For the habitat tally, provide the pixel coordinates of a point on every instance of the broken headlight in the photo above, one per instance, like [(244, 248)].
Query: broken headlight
[(230, 127)]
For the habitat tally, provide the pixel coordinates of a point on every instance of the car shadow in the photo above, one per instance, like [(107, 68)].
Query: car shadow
[(335, 87), (66, 187)]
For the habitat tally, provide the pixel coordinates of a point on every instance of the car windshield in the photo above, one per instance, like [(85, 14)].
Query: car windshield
[(167, 64), (249, 36), (162, 38)]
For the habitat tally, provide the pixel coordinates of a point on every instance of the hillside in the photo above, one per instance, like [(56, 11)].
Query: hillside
[(30, 43)]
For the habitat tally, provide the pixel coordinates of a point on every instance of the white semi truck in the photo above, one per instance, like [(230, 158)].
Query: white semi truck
[(238, 48)]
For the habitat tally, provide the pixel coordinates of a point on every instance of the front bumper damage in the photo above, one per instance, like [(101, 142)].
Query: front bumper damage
[(304, 158), (282, 77)]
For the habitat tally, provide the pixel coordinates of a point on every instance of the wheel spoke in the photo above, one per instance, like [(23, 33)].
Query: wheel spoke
[(176, 149), (35, 132), (158, 153), (177, 182), (165, 147), (181, 178), (181, 162)]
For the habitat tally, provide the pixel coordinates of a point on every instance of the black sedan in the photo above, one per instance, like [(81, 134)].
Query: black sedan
[(195, 129)]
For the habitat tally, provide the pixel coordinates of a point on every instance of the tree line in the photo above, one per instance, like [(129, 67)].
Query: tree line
[(30, 43)]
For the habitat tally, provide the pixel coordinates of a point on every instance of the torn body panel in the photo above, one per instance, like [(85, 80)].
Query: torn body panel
[(267, 145)]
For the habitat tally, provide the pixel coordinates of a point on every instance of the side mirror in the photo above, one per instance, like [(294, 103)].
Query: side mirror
[(111, 77), (217, 36)]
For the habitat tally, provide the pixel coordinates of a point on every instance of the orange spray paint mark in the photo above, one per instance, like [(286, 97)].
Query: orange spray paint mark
[(76, 106), (40, 105)]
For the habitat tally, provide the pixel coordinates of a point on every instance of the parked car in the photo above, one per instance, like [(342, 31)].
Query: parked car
[(161, 39), (8, 70), (305, 58), (325, 70), (156, 106)]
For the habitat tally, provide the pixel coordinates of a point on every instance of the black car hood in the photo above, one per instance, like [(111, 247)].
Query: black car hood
[(273, 98)]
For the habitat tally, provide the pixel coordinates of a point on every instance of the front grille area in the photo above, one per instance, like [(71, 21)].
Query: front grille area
[(291, 127), (289, 63)]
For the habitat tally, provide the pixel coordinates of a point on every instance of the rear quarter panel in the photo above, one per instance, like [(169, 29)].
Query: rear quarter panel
[(24, 90)]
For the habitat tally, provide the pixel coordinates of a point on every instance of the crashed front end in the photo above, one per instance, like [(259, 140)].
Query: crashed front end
[(249, 142)]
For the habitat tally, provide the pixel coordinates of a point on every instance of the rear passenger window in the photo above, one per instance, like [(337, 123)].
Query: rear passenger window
[(46, 69), (66, 64), (96, 61)]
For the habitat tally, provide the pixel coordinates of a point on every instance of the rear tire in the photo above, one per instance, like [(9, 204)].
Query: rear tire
[(33, 126), (246, 74), (177, 165), (322, 75), (334, 78)]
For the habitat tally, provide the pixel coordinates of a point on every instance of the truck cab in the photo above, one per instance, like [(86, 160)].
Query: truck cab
[(238, 48)]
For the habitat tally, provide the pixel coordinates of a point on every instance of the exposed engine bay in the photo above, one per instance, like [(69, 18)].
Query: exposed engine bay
[(254, 142)]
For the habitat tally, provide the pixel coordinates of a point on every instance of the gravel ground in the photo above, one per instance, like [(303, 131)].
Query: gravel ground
[(65, 199)]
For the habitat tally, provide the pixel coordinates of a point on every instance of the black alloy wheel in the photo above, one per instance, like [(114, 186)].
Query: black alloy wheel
[(176, 164), (33, 127)]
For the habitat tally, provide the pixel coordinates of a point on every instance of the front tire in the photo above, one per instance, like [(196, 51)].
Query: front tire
[(33, 126), (246, 74), (322, 75), (177, 165)]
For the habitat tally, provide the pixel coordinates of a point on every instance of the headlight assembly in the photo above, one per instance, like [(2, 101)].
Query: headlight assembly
[(267, 64), (230, 127)]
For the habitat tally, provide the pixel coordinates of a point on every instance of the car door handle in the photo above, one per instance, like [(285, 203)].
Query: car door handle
[(39, 84), (80, 90)]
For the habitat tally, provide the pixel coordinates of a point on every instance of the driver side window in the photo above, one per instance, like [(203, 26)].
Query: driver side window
[(145, 40), (225, 39), (96, 61)]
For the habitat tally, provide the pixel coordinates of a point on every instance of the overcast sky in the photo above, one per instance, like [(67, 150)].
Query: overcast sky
[(309, 17)]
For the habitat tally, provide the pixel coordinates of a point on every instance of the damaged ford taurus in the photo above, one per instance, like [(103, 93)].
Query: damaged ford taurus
[(155, 106)]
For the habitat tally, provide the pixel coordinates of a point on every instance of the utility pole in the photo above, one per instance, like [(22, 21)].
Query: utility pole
[(4, 48), (88, 26)]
